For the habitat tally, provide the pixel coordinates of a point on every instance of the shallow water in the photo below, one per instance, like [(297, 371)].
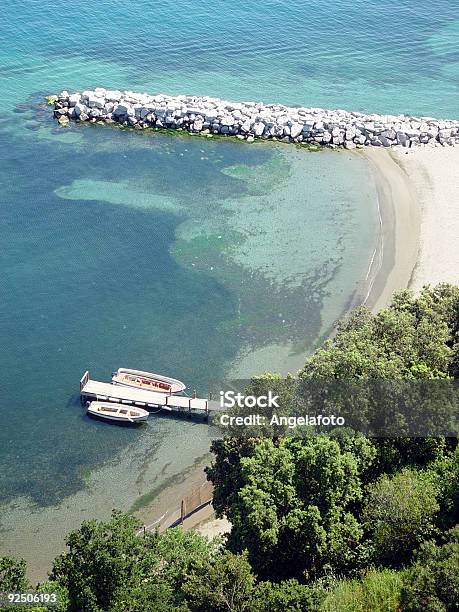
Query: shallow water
[(201, 258)]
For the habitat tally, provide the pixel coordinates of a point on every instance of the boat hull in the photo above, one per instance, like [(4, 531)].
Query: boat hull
[(147, 380), (117, 413)]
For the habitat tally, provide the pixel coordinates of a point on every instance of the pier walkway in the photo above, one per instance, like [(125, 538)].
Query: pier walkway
[(107, 392)]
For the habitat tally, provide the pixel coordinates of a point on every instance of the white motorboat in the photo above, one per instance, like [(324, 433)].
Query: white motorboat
[(117, 412), (147, 380)]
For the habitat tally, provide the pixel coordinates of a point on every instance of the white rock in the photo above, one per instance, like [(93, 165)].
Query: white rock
[(259, 128), (296, 129), (122, 109), (95, 102), (277, 121), (246, 126), (79, 109), (227, 120), (74, 99), (350, 133), (402, 138)]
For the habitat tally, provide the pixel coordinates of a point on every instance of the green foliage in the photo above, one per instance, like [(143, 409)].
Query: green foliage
[(180, 551), (225, 472), (12, 579), (391, 370), (296, 505), (61, 592), (227, 583), (376, 591), (432, 584), (288, 595), (399, 513), (154, 596), (109, 567), (412, 338), (445, 471), (393, 454), (103, 559), (12, 574), (223, 585), (292, 509)]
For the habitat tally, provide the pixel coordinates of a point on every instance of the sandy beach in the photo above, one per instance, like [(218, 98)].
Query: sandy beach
[(418, 203), (434, 178)]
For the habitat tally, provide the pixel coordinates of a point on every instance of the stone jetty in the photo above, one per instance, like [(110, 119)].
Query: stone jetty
[(250, 120)]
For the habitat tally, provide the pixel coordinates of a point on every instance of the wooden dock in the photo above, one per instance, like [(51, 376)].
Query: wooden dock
[(107, 392)]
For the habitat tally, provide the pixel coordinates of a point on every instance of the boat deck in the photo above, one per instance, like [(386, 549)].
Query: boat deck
[(106, 392)]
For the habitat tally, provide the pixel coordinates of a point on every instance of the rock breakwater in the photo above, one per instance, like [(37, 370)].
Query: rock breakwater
[(250, 120)]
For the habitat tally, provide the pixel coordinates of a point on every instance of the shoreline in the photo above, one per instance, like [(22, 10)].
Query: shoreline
[(165, 509), (397, 250), (403, 250), (391, 268), (418, 200)]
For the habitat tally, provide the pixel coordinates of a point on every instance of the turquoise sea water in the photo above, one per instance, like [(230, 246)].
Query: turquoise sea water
[(191, 256)]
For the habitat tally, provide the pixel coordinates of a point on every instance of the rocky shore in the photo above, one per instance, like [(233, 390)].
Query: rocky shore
[(250, 120)]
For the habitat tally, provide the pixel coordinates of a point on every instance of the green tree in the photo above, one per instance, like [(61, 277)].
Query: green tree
[(225, 472), (225, 584), (413, 338), (293, 507), (400, 514), (63, 601), (445, 471), (386, 372), (179, 552), (432, 584), (109, 567), (102, 559), (288, 595), (12, 579), (12, 574)]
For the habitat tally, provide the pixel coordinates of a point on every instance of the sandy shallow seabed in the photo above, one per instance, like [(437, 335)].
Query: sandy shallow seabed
[(391, 268), (434, 176), (418, 193)]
